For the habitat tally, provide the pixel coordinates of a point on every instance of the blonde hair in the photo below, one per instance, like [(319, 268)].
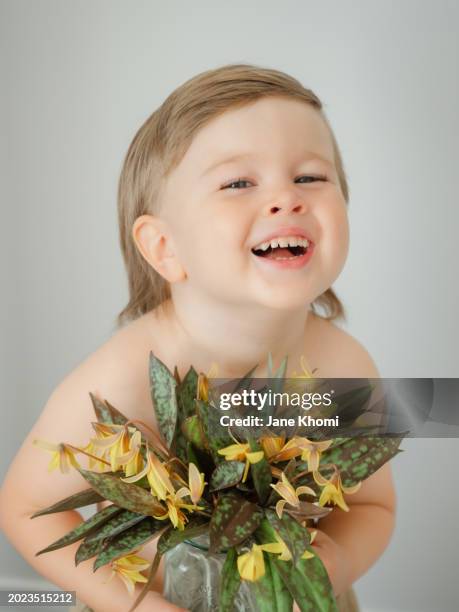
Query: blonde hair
[(159, 146)]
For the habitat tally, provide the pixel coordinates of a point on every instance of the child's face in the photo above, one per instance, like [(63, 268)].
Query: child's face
[(215, 229)]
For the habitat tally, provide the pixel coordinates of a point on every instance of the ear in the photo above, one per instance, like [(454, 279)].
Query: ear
[(154, 241)]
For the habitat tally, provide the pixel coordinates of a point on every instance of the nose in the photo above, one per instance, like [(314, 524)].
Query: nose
[(286, 203)]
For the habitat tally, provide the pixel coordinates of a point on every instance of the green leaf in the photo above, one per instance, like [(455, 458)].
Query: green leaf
[(217, 436), (83, 529), (227, 474), (295, 536), (163, 395), (280, 372), (186, 393), (123, 494), (269, 590), (233, 520), (106, 413), (282, 597), (361, 458), (86, 550), (128, 541), (230, 582), (171, 538), (261, 474), (77, 500), (122, 521), (192, 430), (242, 382), (307, 581), (351, 404), (276, 379)]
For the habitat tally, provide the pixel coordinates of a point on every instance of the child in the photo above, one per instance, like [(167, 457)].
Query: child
[(233, 225)]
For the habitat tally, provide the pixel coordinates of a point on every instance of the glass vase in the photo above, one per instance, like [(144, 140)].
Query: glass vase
[(192, 578)]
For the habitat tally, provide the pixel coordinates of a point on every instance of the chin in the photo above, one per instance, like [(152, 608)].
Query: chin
[(285, 301)]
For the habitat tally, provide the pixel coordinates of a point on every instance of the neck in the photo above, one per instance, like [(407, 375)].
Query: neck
[(234, 337)]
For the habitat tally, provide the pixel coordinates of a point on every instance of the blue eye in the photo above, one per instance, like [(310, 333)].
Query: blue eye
[(240, 180)]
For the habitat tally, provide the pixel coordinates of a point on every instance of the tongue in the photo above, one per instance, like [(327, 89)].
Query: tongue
[(280, 252)]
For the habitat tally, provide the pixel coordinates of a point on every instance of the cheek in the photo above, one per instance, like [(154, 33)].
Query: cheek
[(335, 228)]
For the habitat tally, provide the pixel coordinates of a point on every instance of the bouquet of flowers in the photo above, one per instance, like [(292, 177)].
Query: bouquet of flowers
[(257, 498)]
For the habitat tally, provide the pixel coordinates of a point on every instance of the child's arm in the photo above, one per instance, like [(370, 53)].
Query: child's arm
[(349, 543), (29, 487)]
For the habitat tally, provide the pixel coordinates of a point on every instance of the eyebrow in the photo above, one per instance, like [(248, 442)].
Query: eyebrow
[(237, 156)]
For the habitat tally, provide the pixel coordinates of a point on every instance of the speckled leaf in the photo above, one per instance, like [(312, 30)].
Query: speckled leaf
[(270, 592), (351, 404), (233, 520), (106, 413), (186, 394), (129, 540), (295, 536), (192, 430), (83, 529), (86, 550), (163, 395), (226, 475), (307, 581), (242, 383), (230, 582), (217, 436), (359, 463), (77, 500), (170, 538), (261, 474), (122, 521), (123, 494), (282, 596)]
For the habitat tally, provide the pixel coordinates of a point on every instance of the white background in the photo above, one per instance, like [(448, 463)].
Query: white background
[(79, 77)]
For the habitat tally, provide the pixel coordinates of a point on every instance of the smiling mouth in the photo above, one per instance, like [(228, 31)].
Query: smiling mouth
[(284, 250)]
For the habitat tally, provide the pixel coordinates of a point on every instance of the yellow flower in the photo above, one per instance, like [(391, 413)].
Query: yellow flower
[(251, 565), (128, 568), (62, 455), (276, 449), (96, 451), (115, 444), (272, 445), (333, 490), (241, 452), (203, 387), (280, 548), (132, 460), (158, 477), (196, 484), (174, 509), (306, 373), (311, 450), (289, 494)]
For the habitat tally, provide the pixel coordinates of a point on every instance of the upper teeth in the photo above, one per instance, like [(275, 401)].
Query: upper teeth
[(283, 242)]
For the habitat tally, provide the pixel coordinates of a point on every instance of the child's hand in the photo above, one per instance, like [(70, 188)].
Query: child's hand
[(332, 556)]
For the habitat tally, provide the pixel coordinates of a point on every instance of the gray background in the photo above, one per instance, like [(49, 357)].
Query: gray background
[(78, 79)]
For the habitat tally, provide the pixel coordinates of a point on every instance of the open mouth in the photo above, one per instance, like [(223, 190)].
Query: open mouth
[(282, 248)]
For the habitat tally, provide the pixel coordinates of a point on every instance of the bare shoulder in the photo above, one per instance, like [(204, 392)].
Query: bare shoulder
[(336, 353), (118, 372)]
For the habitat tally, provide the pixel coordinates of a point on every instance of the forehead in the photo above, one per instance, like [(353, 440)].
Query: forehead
[(271, 125)]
